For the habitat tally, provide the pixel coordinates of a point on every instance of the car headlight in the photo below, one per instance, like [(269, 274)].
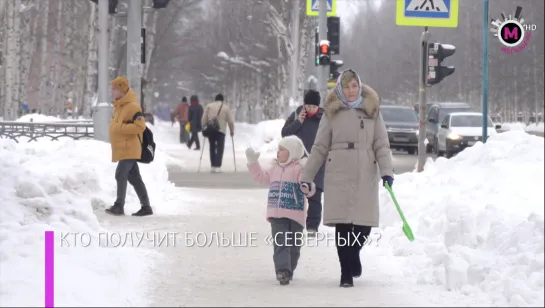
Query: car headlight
[(417, 131), (454, 136)]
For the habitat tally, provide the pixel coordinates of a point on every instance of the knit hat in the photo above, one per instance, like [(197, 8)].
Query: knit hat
[(121, 83), (295, 146), (184, 99), (219, 98), (312, 98), (194, 98)]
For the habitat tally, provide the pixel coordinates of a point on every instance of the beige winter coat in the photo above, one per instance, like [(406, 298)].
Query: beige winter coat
[(224, 118), (352, 142)]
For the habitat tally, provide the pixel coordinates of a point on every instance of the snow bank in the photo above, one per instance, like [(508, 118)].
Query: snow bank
[(477, 219), (56, 186), (539, 127), (533, 127), (41, 118)]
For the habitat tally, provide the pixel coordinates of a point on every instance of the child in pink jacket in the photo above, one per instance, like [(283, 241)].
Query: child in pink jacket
[(287, 206)]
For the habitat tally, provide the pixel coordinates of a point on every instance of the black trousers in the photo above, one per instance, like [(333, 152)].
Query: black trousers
[(217, 146), (127, 171), (350, 239), (194, 138)]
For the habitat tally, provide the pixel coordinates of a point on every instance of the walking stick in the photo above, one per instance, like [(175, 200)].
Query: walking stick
[(234, 158), (202, 151)]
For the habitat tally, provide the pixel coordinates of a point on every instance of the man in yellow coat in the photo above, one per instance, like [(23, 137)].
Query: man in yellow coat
[(126, 132)]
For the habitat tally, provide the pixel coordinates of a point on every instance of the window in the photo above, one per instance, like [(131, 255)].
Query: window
[(468, 121), (445, 111), (398, 115), (446, 121)]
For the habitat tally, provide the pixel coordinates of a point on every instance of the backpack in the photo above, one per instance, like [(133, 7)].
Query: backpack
[(212, 126), (148, 145)]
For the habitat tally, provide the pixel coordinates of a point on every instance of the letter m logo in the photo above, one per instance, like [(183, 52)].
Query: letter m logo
[(508, 33)]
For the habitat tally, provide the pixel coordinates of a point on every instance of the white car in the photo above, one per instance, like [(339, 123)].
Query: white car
[(460, 130)]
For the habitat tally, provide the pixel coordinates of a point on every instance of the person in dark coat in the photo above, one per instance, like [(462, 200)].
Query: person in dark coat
[(194, 117), (303, 123)]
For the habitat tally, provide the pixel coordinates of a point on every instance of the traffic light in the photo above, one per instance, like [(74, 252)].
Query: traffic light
[(437, 53), (333, 69), (112, 6), (159, 4), (334, 34), (325, 53)]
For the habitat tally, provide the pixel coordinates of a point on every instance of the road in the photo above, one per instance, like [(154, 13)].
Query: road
[(242, 180)]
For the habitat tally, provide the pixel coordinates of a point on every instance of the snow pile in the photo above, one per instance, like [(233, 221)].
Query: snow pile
[(533, 127), (266, 135), (56, 186), (41, 118), (477, 219), (539, 127)]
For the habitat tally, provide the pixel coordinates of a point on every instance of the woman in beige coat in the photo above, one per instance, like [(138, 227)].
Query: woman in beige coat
[(353, 142)]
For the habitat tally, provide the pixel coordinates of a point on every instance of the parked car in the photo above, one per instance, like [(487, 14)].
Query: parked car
[(402, 126), (460, 130), (436, 115)]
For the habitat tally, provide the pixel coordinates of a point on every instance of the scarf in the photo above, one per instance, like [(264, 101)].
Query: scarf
[(339, 90)]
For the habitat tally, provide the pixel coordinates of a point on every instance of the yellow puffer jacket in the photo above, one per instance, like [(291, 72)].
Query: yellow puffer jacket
[(125, 135)]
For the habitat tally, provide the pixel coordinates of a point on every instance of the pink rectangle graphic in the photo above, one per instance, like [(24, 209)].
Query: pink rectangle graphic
[(49, 268)]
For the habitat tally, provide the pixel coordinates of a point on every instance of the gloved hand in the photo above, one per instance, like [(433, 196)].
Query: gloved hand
[(308, 189), (251, 155), (387, 179)]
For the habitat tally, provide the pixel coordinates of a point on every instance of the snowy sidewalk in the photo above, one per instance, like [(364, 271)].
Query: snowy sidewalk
[(244, 276)]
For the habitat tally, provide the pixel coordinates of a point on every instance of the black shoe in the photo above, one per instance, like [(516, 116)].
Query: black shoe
[(144, 211), (283, 277), (356, 267), (346, 281), (116, 210), (196, 149)]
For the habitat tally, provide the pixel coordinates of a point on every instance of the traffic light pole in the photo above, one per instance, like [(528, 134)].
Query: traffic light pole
[(422, 100), (485, 73), (322, 35), (103, 110), (134, 25)]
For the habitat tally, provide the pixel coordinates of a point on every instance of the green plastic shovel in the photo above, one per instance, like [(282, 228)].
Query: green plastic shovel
[(406, 228)]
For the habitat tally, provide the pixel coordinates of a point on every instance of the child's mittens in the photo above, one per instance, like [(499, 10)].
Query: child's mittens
[(308, 189), (251, 155)]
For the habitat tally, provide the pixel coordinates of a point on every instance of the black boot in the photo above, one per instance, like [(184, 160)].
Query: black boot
[(356, 266), (116, 210), (144, 211), (362, 233), (345, 253)]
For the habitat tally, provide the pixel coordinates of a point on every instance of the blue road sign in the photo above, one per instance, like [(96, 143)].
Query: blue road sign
[(432, 13), (313, 7)]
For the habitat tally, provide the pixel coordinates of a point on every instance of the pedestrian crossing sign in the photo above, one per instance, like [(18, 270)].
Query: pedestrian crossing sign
[(313, 8), (427, 13)]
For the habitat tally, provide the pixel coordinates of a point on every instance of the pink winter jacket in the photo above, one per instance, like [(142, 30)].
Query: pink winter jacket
[(285, 200)]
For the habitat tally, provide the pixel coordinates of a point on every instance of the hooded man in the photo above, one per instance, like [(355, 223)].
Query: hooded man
[(304, 123), (194, 117), (126, 132), (222, 113)]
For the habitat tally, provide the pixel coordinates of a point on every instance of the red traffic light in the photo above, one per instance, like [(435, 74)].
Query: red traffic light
[(324, 49)]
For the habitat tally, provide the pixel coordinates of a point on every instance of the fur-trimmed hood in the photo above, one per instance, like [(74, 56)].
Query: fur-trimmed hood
[(369, 105)]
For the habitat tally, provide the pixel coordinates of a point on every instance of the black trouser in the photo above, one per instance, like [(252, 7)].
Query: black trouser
[(350, 239), (194, 138), (314, 214), (286, 235), (217, 145), (184, 135), (127, 171)]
